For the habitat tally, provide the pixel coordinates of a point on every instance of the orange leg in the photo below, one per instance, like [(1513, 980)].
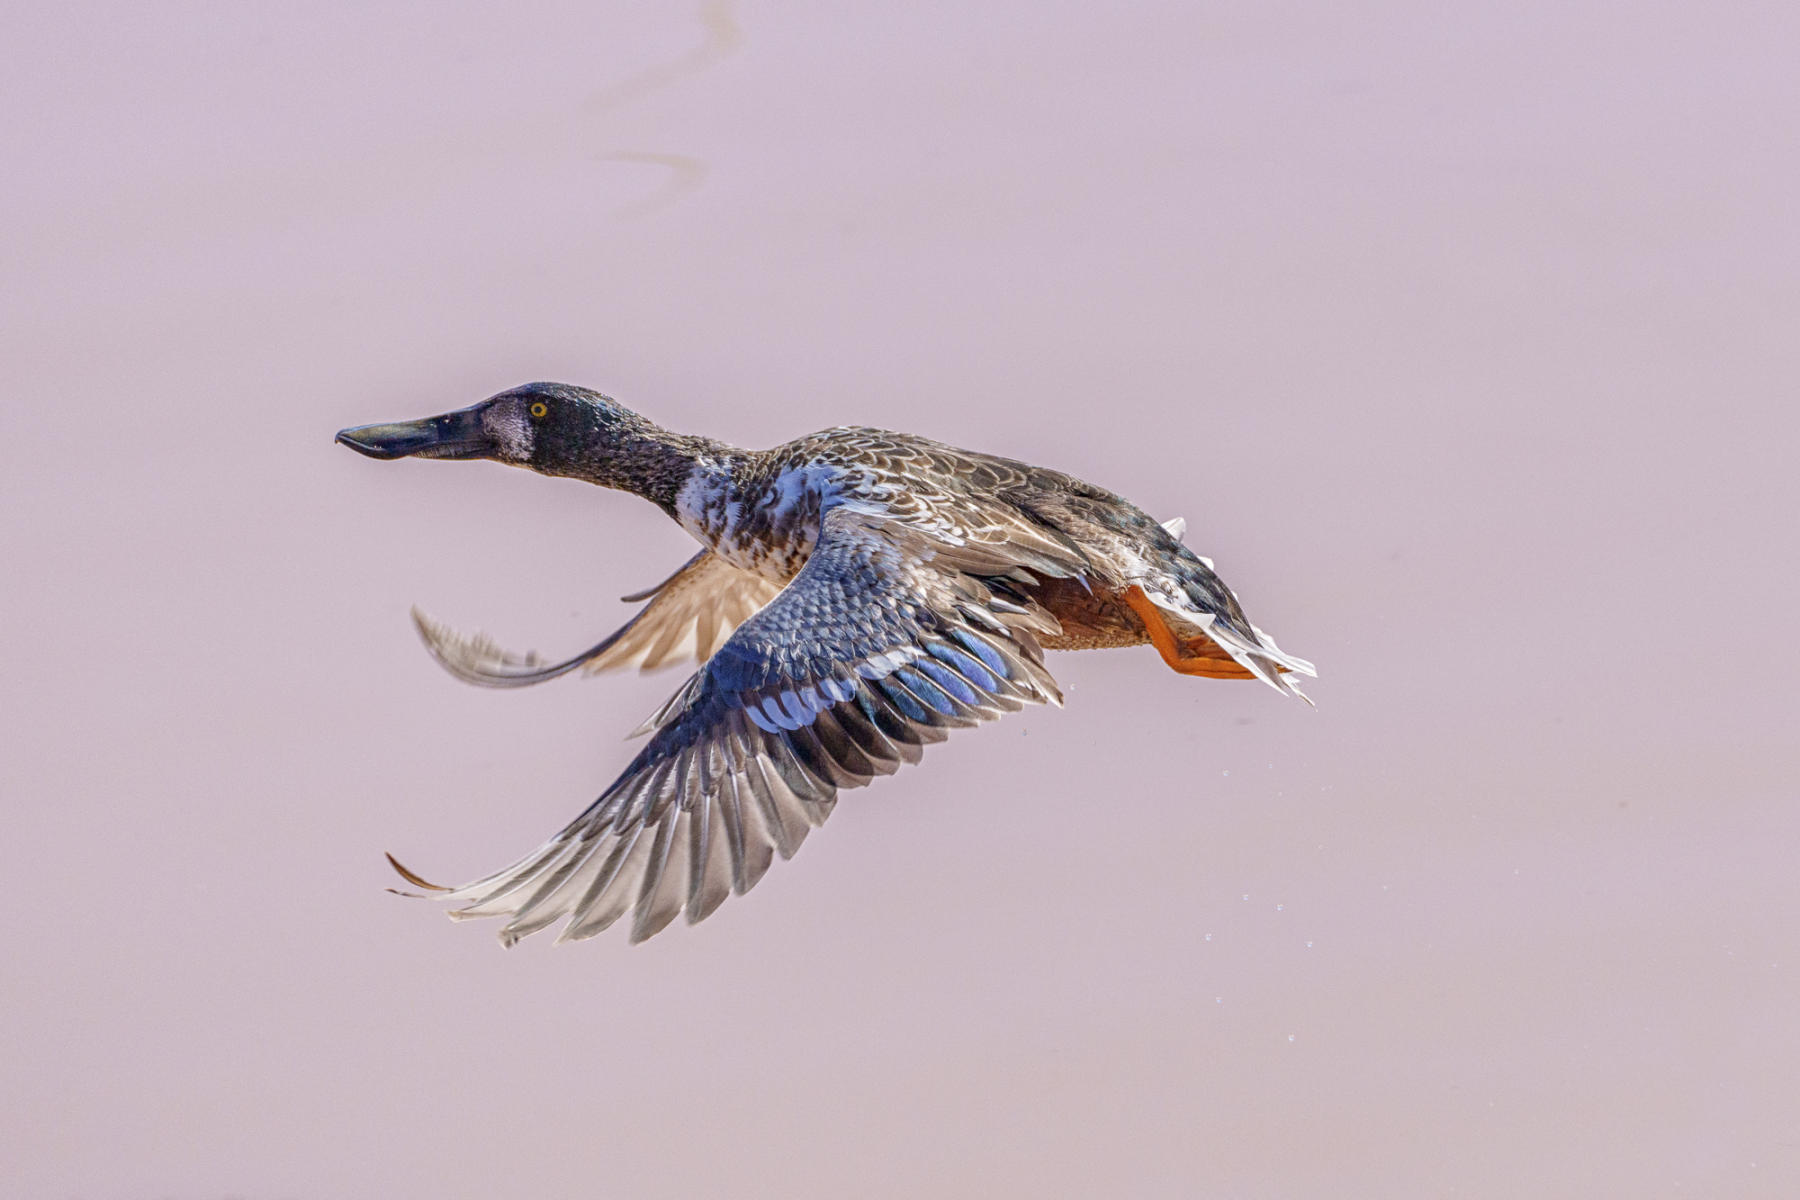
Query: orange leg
[(1179, 653)]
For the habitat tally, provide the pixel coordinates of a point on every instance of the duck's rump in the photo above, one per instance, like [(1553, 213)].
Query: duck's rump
[(1096, 617)]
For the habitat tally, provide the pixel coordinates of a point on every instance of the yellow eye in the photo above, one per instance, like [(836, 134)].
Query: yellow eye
[(539, 409)]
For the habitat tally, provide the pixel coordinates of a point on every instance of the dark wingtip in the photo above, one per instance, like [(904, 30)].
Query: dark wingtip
[(411, 878)]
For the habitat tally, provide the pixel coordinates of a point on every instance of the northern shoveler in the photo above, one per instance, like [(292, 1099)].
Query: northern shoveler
[(858, 594)]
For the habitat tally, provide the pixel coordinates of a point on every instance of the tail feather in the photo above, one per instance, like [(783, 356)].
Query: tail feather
[(1213, 628), (1262, 658)]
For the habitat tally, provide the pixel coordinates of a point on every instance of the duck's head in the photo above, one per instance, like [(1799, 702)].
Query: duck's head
[(553, 428)]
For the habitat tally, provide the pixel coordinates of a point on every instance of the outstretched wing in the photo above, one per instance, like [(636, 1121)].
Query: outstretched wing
[(872, 652), (689, 614)]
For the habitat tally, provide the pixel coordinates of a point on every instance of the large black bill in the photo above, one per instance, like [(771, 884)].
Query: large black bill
[(454, 435)]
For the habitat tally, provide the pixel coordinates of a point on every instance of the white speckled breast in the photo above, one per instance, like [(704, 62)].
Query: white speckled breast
[(767, 526)]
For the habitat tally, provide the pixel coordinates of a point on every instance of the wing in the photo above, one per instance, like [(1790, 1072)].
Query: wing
[(871, 653), (689, 613)]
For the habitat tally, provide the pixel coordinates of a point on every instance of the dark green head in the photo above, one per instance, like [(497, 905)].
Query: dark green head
[(553, 428)]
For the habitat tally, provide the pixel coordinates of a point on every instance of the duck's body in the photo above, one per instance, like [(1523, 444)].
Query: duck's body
[(883, 588), (760, 512)]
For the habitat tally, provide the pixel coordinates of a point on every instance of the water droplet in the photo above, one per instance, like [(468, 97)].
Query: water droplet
[(1279, 907), (1246, 895), (1309, 945), (1218, 999), (1209, 937), (1224, 772), (1290, 1037)]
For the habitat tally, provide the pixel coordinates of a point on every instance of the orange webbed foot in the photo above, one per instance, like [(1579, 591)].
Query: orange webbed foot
[(1185, 655)]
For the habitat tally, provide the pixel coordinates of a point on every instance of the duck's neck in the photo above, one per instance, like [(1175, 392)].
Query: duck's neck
[(656, 463)]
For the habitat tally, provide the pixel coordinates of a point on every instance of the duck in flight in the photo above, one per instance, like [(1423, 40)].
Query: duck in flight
[(857, 595)]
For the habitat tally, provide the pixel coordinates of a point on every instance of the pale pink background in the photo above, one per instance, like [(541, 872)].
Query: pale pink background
[(1464, 336)]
